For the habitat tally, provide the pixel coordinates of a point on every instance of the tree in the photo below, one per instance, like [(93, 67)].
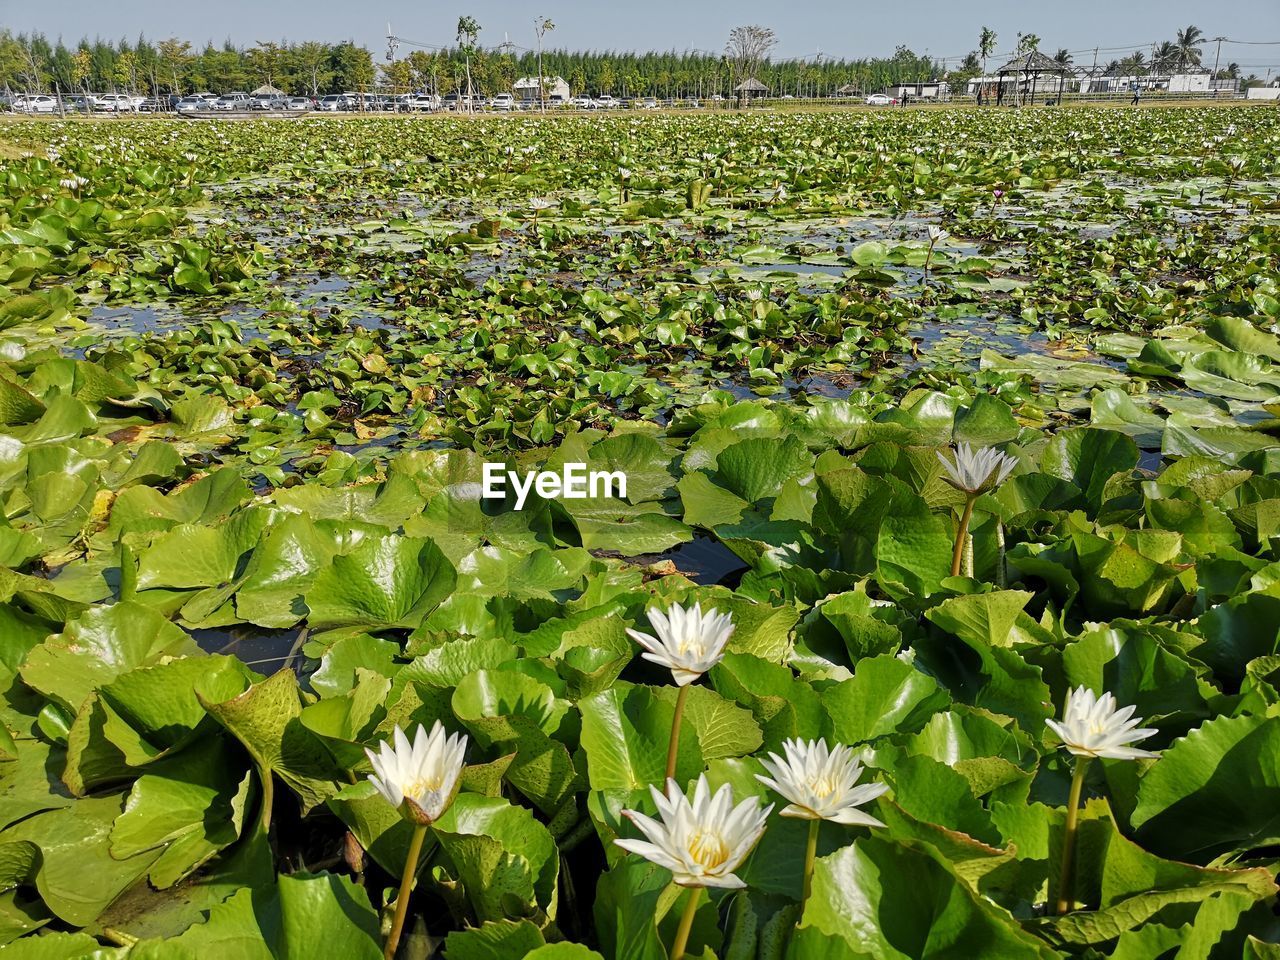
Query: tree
[(1027, 43), (127, 71), (746, 48), (468, 34), (986, 46), (265, 60), (541, 26), (1188, 42), (1165, 57), (175, 56), (311, 60), (1063, 56), (82, 69)]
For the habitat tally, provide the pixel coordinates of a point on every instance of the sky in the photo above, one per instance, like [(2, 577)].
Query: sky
[(837, 28)]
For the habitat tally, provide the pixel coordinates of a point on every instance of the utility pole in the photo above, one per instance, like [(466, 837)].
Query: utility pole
[(392, 43), (541, 26), (1213, 77), (1093, 71)]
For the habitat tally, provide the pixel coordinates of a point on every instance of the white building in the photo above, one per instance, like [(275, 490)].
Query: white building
[(526, 88)]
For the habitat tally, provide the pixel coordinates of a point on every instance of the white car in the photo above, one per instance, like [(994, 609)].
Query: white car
[(503, 101), (419, 102), (117, 102), (606, 101), (236, 100), (583, 103), (35, 103), (879, 100)]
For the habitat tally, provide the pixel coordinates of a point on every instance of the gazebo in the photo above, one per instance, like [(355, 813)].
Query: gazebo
[(1024, 72), (751, 87), (266, 90)]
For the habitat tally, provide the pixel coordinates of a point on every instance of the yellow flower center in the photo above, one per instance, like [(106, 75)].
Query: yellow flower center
[(824, 787), (708, 849), (420, 788)]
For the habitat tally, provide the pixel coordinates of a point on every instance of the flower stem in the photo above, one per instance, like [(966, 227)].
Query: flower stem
[(674, 746), (686, 922), (1066, 895), (268, 796), (962, 534), (810, 854), (402, 900)]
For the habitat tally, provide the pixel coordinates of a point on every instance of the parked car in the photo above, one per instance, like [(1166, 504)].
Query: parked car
[(269, 103), (583, 103), (416, 103), (194, 102), (154, 105), (454, 101), (35, 103), (503, 101), (116, 102), (332, 103), (297, 104), (879, 100), (236, 100), (648, 103), (692, 103), (557, 100), (606, 101)]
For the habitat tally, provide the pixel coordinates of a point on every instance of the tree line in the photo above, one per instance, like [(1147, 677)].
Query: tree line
[(32, 63)]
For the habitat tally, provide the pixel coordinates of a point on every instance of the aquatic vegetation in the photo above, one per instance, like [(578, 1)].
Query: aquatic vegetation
[(928, 419)]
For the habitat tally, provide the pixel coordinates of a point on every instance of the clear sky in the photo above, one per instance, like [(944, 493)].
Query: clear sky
[(849, 28)]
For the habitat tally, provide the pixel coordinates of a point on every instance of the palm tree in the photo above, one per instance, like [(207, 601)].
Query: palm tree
[(1165, 57), (1188, 42), (1063, 56), (986, 46)]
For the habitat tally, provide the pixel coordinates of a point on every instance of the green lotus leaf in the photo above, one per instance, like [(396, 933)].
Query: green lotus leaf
[(384, 583)]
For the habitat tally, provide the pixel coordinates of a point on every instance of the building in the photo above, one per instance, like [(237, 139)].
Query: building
[(526, 88), (1028, 76), (926, 90), (751, 88)]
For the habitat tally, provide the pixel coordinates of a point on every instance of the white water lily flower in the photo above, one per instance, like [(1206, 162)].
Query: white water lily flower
[(937, 233), (977, 471), (689, 642), (419, 780), (1092, 726), (540, 203), (821, 783), (624, 173), (702, 842)]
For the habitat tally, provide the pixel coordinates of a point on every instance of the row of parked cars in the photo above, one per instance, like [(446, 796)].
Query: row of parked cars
[(337, 102), (81, 103), (238, 100)]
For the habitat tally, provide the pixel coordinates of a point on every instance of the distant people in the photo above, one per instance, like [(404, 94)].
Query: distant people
[(1137, 95)]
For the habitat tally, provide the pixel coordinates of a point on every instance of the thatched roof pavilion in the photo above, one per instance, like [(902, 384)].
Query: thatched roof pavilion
[(1023, 73)]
